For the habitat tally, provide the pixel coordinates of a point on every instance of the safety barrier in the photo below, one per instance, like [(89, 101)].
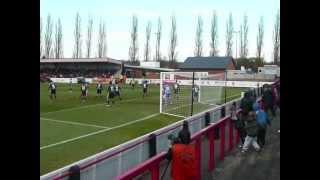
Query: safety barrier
[(153, 164)]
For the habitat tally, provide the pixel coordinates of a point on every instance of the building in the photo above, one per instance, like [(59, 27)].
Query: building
[(212, 65), (269, 70)]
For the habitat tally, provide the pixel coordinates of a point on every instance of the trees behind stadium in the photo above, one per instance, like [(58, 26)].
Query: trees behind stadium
[(133, 49), (276, 39), (58, 51), (53, 48), (77, 37), (102, 45), (260, 39)]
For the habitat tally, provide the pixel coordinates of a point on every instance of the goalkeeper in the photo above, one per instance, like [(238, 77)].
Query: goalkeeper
[(167, 94)]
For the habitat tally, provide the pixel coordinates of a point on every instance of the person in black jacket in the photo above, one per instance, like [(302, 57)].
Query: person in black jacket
[(267, 99)]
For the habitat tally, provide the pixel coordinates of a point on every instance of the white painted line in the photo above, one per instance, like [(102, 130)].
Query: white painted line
[(98, 132), (74, 123), (84, 107), (174, 115)]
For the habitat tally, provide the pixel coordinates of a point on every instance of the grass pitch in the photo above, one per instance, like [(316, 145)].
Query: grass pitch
[(71, 130)]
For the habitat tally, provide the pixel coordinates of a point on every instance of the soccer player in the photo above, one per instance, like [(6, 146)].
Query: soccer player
[(117, 90), (83, 92), (87, 89), (70, 85), (52, 88), (167, 94), (132, 83), (195, 90), (99, 89), (111, 93), (176, 89), (145, 88)]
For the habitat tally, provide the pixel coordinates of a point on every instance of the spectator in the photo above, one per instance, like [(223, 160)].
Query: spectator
[(182, 154), (262, 121), (251, 128), (238, 122), (267, 99), (246, 104)]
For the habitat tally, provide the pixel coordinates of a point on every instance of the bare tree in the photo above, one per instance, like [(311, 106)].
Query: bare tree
[(229, 36), (260, 38), (77, 37), (214, 35), (48, 38), (58, 40), (147, 45), (40, 37), (276, 39), (102, 40), (158, 54), (89, 37), (173, 40), (198, 42), (244, 37), (133, 49)]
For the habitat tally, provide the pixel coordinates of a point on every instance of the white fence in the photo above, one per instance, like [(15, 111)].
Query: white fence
[(249, 84)]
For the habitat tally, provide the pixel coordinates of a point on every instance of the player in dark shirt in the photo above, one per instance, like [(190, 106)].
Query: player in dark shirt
[(145, 88), (176, 89), (70, 85), (83, 92), (53, 89), (99, 89), (117, 90), (111, 93)]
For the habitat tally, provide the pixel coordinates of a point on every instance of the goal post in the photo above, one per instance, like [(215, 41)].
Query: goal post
[(182, 95)]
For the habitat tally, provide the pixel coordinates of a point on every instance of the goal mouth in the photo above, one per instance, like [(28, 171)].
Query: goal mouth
[(185, 93)]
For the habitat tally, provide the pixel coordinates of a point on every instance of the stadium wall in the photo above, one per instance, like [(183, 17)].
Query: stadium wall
[(249, 84)]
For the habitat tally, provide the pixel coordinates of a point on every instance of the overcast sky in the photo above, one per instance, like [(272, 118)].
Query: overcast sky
[(117, 15)]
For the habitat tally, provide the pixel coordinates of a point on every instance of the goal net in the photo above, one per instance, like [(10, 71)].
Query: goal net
[(185, 93)]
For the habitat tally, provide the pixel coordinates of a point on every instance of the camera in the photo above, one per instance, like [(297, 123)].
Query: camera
[(173, 139)]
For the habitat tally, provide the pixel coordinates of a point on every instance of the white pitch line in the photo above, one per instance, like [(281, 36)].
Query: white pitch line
[(74, 123), (84, 107), (98, 132)]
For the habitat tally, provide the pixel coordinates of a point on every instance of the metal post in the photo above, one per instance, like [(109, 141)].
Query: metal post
[(236, 46), (192, 93), (225, 87)]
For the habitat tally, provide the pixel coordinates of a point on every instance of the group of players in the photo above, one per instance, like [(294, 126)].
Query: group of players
[(166, 92), (113, 91)]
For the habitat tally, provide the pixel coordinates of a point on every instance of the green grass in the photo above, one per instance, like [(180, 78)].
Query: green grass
[(80, 119)]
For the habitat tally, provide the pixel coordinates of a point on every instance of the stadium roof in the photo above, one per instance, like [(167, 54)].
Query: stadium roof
[(206, 62), (81, 60), (149, 68)]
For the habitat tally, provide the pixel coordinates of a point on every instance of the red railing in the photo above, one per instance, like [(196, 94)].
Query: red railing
[(152, 165)]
